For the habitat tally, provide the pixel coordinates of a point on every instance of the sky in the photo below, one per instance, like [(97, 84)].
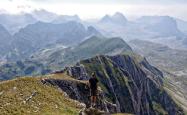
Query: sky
[(87, 9)]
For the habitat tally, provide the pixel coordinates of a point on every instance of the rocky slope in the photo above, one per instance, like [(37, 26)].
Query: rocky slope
[(130, 83), (172, 62)]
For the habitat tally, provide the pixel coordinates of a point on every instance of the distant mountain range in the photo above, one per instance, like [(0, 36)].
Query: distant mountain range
[(56, 58), (14, 22), (41, 29), (170, 26), (42, 35), (162, 25), (145, 28)]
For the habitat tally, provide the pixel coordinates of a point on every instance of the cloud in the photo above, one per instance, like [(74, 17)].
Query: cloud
[(98, 8), (142, 2)]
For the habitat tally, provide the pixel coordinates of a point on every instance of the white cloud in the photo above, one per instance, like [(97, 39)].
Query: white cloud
[(16, 6), (96, 9)]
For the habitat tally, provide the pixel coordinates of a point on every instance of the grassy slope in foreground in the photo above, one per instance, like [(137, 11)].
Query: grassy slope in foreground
[(47, 101)]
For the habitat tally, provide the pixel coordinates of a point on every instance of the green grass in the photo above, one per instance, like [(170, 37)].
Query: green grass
[(47, 101)]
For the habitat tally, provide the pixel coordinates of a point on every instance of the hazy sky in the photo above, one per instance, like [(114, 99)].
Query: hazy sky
[(97, 8)]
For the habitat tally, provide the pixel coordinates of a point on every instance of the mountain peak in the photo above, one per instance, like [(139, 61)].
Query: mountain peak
[(44, 15), (106, 18), (119, 16)]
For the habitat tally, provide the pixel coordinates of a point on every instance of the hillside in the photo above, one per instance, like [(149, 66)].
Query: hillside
[(29, 96), (21, 68), (91, 47)]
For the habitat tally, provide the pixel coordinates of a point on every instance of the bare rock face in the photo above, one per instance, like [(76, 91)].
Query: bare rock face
[(78, 72), (78, 90)]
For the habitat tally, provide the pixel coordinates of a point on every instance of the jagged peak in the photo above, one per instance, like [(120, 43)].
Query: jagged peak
[(119, 16), (106, 18)]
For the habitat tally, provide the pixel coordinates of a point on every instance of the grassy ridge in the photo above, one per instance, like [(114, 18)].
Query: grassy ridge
[(48, 100)]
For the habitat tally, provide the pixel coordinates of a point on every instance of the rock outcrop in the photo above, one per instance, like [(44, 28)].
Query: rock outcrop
[(79, 90), (93, 111)]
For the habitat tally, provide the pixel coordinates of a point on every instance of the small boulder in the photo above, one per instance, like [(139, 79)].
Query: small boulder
[(93, 111)]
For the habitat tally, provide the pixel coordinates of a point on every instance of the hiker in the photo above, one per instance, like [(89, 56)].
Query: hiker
[(93, 89)]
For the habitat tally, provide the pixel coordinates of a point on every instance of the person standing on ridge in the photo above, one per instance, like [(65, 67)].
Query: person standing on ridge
[(93, 89)]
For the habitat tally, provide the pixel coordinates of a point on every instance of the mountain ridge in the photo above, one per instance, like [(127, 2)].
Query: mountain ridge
[(128, 86)]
